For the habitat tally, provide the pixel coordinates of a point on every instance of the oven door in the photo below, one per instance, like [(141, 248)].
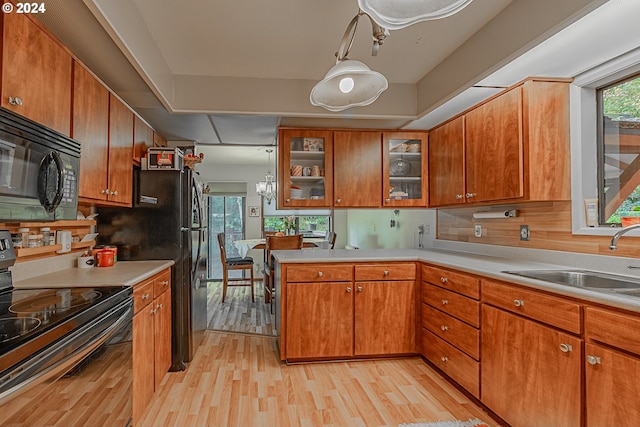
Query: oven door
[(83, 379)]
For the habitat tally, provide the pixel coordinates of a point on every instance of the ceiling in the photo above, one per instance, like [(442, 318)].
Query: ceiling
[(228, 73)]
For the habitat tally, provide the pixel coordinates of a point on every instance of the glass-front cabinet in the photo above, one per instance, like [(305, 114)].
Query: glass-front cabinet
[(305, 169), (404, 169)]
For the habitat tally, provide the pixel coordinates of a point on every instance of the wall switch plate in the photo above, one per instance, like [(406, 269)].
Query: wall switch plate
[(524, 232), (477, 230)]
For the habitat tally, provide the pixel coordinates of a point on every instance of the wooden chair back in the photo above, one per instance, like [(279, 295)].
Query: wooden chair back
[(331, 237), (223, 252)]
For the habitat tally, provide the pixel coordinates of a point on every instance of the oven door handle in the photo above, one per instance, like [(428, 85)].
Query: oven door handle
[(55, 361)]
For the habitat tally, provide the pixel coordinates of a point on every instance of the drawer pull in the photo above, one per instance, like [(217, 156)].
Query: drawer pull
[(445, 302), (158, 307), (443, 279), (17, 101), (359, 288), (459, 196), (444, 328), (566, 348), (146, 296), (385, 273), (593, 360), (319, 273), (348, 289), (444, 359), (518, 302), (165, 282)]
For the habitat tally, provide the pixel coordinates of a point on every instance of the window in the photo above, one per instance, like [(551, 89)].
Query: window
[(619, 151), (308, 225)]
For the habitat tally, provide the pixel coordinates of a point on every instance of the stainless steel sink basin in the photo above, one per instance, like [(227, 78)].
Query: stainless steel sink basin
[(582, 279)]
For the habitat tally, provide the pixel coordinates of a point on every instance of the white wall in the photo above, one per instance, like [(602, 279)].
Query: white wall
[(370, 228)]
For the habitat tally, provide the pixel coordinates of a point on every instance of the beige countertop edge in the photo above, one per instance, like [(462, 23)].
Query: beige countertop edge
[(123, 273), (487, 266)]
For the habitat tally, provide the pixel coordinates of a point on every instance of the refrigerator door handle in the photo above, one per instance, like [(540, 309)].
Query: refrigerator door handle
[(185, 229)]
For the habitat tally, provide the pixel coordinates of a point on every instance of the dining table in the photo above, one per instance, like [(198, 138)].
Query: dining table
[(245, 245)]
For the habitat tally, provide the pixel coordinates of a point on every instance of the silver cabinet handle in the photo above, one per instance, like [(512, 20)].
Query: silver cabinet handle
[(593, 360), (566, 348), (518, 302), (338, 200), (348, 289), (444, 359), (319, 273), (146, 296), (288, 200), (387, 200), (106, 191), (385, 273), (445, 302), (359, 288), (15, 101), (470, 195), (444, 328), (158, 307), (459, 196), (114, 193), (165, 282), (153, 311), (444, 279)]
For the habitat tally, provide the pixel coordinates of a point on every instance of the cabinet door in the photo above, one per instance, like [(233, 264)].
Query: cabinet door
[(612, 387), (306, 168), (527, 378), (120, 152), (494, 153), (319, 320), (404, 172), (384, 318), (36, 69), (142, 138), (357, 162), (143, 370), (91, 129), (447, 164), (162, 332)]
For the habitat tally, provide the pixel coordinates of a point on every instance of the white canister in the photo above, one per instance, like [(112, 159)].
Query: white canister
[(86, 261)]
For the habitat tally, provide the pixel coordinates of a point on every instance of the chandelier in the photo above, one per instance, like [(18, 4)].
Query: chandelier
[(267, 188)]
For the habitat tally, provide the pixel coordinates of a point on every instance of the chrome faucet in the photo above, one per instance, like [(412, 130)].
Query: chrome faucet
[(619, 234)]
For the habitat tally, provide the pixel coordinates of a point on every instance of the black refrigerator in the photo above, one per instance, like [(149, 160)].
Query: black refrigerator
[(168, 221)]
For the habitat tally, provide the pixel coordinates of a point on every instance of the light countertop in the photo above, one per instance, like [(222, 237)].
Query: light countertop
[(122, 273), (484, 265)]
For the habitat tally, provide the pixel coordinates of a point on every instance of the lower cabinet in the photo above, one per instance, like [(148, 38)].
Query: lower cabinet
[(531, 373), (151, 338)]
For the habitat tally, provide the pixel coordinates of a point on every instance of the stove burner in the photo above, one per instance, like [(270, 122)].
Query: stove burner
[(55, 300), (16, 327)]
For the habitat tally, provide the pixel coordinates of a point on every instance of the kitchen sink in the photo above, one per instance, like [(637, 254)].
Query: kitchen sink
[(584, 279)]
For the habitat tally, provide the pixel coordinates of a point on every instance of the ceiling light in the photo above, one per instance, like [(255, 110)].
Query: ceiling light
[(397, 14), (350, 83), (267, 188)]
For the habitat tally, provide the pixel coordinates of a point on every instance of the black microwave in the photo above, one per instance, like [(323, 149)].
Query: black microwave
[(39, 171)]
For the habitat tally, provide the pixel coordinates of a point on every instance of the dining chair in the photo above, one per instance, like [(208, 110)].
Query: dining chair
[(331, 238), (274, 243), (234, 263)]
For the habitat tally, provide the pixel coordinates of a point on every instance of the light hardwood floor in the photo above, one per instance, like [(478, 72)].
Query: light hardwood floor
[(238, 380), (237, 313)]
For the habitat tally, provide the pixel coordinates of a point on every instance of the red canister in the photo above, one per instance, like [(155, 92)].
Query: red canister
[(105, 258)]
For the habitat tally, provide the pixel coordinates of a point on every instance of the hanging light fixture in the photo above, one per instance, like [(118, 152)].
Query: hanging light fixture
[(397, 14), (351, 83), (267, 188)]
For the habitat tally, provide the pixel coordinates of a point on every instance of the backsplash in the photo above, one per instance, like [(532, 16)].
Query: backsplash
[(28, 269)]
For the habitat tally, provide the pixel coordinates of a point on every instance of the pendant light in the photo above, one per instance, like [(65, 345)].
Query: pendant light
[(350, 83), (397, 14), (267, 188)]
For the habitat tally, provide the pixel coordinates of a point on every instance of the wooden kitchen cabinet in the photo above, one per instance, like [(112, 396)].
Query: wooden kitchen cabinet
[(531, 372), (612, 367), (306, 167), (404, 169), (357, 162), (515, 145), (151, 332), (120, 171), (36, 73), (142, 139)]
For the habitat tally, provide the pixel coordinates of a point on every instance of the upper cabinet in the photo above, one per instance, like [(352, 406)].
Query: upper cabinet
[(36, 73), (159, 140), (357, 162), (306, 168), (120, 169), (404, 169), (514, 147), (142, 138)]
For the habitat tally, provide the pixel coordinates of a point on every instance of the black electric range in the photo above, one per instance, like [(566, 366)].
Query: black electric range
[(41, 328)]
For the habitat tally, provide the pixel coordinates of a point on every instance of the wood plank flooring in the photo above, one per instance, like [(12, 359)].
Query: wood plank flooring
[(238, 380), (237, 313)]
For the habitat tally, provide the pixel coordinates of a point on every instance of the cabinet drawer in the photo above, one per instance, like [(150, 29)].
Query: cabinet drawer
[(161, 282), (456, 305), (385, 272), (548, 309), (452, 330), (615, 329), (142, 295), (457, 282), (320, 273), (460, 367)]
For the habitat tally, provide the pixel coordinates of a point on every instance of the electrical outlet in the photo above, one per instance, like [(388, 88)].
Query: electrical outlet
[(427, 228), (477, 230), (524, 232)]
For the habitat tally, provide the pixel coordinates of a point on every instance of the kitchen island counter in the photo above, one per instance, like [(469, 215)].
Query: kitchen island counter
[(122, 273)]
